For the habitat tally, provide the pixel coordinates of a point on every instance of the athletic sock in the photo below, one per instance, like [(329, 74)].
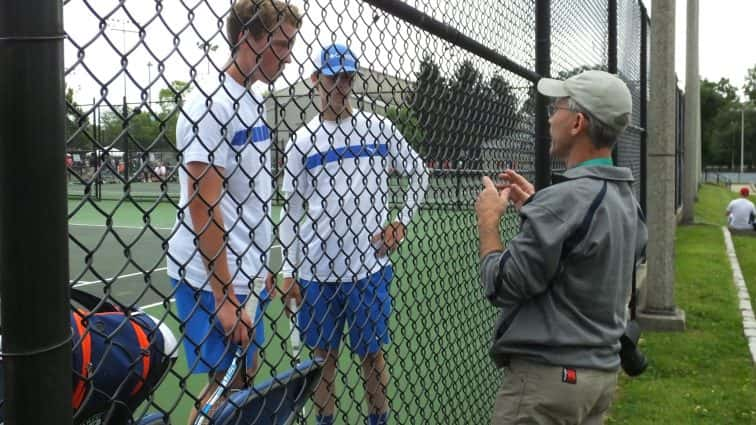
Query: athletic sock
[(378, 419), (324, 420)]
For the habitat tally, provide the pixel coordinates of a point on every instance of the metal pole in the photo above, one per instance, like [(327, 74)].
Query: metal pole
[(742, 138), (612, 53), (543, 68), (125, 108), (92, 184), (125, 140), (612, 34), (149, 83), (643, 107), (36, 340)]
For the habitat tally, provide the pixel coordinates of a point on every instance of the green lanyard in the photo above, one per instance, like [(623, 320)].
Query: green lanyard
[(596, 161)]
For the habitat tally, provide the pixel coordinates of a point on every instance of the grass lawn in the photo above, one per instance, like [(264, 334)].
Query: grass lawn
[(704, 375), (712, 202)]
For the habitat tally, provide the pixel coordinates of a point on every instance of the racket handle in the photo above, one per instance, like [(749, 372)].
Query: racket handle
[(296, 339), (205, 412)]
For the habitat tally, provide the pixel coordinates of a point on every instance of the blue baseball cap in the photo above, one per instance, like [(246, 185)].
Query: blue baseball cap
[(336, 59)]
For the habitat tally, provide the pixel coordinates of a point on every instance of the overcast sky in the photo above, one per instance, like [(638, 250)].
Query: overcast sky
[(727, 36), (727, 32)]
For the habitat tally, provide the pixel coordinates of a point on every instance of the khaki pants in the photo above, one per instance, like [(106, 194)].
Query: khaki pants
[(532, 393)]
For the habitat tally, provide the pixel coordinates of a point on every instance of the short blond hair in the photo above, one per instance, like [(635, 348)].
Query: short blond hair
[(259, 18)]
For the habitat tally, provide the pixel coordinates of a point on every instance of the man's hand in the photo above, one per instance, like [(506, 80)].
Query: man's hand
[(490, 206), (520, 188), (236, 323), (492, 202), (290, 292), (388, 239), (270, 285)]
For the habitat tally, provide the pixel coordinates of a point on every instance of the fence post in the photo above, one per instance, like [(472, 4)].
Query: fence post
[(660, 312), (543, 68), (612, 53), (36, 340), (691, 123), (643, 105)]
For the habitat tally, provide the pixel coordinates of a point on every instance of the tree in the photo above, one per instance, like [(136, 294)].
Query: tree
[(428, 105), (718, 101), (466, 123), (460, 117), (504, 104), (171, 98), (407, 124), (749, 87)]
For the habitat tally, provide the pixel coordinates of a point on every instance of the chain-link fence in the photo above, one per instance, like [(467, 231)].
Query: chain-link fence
[(196, 171)]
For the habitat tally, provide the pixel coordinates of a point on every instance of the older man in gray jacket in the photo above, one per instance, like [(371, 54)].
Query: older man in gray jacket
[(564, 281)]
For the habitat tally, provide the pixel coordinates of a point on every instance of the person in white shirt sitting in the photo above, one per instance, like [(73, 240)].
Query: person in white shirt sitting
[(741, 212)]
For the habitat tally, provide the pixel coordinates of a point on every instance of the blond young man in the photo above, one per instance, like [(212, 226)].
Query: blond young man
[(218, 251)]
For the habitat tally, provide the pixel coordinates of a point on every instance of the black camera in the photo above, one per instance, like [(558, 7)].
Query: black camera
[(633, 361)]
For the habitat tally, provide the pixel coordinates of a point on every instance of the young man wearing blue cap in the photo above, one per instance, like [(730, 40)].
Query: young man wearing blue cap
[(336, 233), (564, 281)]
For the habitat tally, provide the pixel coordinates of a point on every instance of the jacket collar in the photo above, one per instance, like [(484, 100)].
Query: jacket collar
[(600, 172)]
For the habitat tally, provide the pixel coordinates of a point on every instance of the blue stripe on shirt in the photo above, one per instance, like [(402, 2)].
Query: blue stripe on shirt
[(335, 154), (259, 134)]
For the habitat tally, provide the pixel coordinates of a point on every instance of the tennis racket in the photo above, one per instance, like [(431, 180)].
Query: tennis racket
[(204, 414), (296, 347)]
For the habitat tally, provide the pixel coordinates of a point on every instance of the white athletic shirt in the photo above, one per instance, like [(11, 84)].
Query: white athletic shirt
[(230, 133), (740, 211), (341, 171)]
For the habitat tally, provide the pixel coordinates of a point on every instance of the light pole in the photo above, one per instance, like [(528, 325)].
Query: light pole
[(743, 109), (742, 136), (125, 108), (149, 82), (207, 47)]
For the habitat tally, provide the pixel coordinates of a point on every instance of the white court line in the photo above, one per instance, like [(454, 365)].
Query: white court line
[(81, 284), (145, 307), (92, 282), (118, 227)]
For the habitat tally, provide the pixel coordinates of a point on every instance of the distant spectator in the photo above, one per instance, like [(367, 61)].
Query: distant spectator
[(741, 212), (161, 171), (69, 165)]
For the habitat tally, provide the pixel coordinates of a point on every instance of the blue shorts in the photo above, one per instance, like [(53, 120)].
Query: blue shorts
[(207, 349), (365, 306)]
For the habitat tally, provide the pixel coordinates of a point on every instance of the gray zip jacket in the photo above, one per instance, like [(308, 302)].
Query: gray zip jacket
[(564, 282)]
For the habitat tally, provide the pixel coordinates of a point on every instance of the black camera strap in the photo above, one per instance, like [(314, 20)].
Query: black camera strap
[(638, 256), (633, 294)]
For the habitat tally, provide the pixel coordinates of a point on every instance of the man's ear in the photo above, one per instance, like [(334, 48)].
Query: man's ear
[(581, 123)]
